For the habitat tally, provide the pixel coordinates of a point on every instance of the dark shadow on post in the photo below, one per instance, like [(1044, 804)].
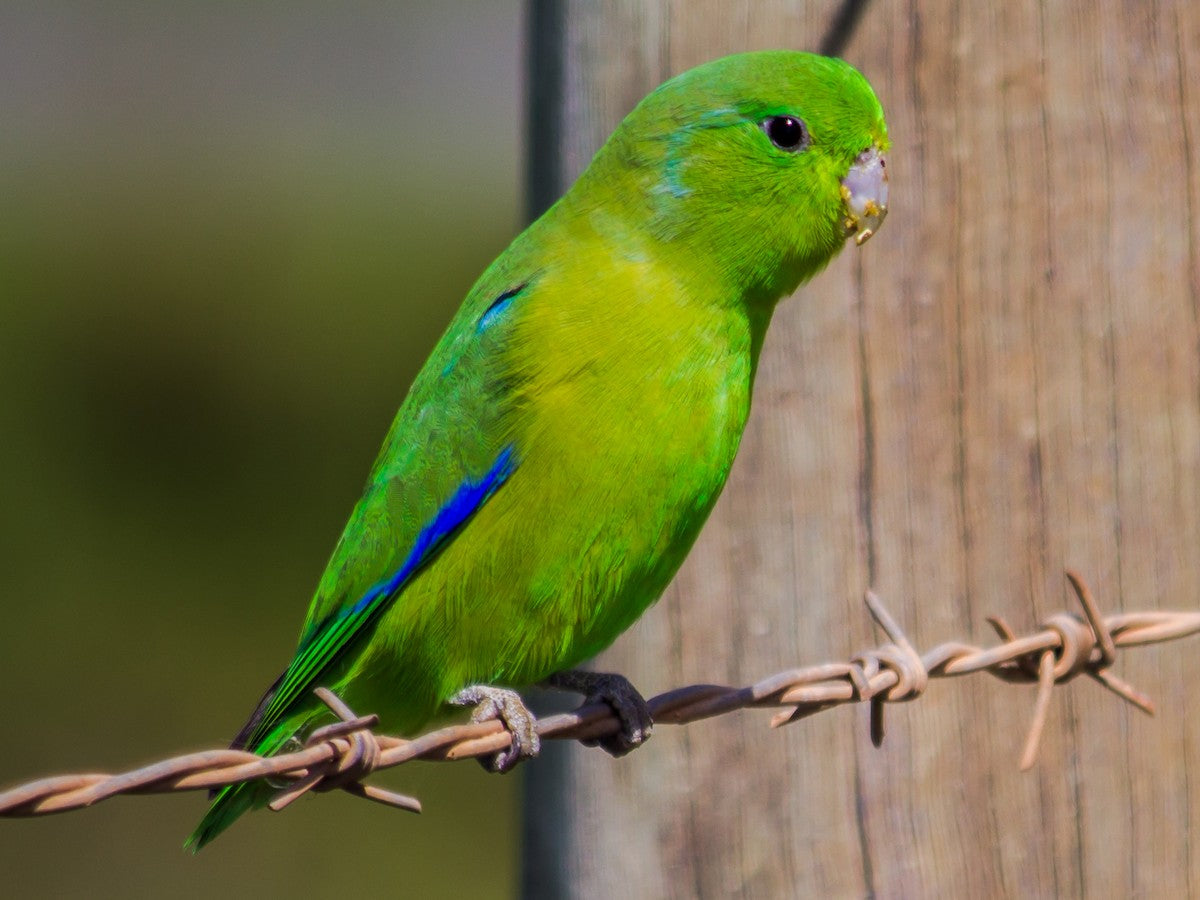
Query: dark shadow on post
[(543, 105), (544, 808), (842, 28)]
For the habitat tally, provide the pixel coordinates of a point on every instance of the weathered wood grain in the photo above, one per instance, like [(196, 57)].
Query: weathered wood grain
[(1003, 383)]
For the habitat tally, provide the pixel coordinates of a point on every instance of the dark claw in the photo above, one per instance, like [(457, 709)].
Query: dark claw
[(507, 707), (615, 690)]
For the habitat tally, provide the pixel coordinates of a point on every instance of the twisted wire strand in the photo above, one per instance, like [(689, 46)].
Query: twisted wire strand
[(342, 755)]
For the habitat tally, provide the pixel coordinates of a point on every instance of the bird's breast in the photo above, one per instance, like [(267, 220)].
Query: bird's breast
[(636, 411)]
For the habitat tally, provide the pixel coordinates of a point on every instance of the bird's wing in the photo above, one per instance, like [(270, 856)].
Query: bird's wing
[(450, 448)]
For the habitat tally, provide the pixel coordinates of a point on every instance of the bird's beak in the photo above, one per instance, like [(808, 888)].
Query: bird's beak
[(865, 195)]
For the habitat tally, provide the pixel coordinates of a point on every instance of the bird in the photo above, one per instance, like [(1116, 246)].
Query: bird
[(557, 454)]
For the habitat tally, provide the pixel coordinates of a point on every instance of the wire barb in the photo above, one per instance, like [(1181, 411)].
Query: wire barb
[(342, 754)]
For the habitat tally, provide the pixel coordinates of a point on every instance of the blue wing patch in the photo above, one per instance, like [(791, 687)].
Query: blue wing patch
[(469, 497), (498, 307), (322, 645)]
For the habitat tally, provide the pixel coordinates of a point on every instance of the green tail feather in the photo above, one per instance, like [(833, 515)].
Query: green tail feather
[(229, 803), (236, 799)]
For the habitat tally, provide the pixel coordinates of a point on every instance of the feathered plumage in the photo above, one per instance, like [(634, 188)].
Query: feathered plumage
[(558, 453)]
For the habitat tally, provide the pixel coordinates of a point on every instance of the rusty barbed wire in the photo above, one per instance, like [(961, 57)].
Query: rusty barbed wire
[(341, 755)]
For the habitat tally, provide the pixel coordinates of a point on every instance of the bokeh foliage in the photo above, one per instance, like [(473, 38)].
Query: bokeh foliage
[(228, 237)]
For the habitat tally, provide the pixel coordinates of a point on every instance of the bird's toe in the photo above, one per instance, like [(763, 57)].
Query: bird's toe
[(506, 706)]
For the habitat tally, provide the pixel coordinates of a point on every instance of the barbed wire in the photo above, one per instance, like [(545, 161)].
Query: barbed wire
[(342, 754)]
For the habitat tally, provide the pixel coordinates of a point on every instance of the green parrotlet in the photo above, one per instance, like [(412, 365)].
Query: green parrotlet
[(562, 446)]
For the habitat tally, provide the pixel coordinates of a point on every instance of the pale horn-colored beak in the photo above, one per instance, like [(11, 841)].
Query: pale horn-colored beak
[(865, 195)]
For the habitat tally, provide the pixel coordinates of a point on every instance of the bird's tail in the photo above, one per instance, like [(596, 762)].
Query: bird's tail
[(230, 802)]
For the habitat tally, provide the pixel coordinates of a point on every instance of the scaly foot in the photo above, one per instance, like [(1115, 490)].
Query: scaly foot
[(508, 707), (623, 697)]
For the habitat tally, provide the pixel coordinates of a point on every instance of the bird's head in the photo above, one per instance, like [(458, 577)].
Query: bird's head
[(764, 162)]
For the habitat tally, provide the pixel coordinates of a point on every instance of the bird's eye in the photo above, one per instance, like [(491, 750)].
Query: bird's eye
[(786, 132)]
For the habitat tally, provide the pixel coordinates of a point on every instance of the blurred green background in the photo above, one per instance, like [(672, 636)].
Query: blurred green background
[(229, 234)]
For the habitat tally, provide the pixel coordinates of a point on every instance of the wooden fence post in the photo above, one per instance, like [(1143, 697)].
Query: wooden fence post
[(1005, 382)]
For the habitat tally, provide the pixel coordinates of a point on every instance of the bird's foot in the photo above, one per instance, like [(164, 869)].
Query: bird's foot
[(622, 696), (507, 707)]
